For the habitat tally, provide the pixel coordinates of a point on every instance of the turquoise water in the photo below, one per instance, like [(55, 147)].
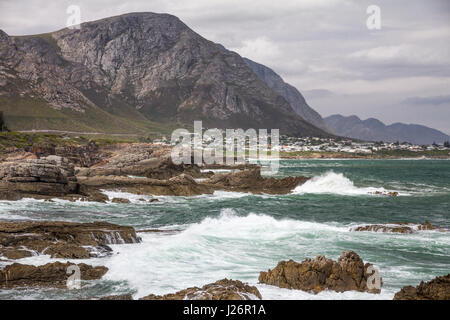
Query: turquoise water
[(237, 235)]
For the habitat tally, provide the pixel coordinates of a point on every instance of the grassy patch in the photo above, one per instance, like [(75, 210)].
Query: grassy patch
[(23, 140)]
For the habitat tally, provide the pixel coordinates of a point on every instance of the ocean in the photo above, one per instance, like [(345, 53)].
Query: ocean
[(237, 235)]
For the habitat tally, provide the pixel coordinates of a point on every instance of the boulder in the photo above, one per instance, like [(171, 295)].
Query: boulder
[(140, 159), (436, 289), (224, 289), (182, 185), (315, 275), (396, 227), (120, 200), (250, 180), (49, 176), (49, 275)]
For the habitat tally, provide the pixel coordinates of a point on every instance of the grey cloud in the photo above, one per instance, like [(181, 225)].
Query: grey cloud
[(318, 93)]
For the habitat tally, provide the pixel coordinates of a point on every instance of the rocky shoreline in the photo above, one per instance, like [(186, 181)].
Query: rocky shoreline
[(84, 173), (143, 169)]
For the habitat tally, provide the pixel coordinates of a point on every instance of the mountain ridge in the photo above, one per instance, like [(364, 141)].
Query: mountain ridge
[(373, 129), (137, 70)]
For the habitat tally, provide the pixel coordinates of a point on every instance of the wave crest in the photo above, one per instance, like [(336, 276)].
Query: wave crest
[(336, 183)]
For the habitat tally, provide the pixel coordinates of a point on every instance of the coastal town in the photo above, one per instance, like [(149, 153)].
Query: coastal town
[(293, 144), (289, 144)]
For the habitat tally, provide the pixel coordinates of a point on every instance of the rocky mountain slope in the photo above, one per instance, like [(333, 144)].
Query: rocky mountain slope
[(290, 93), (375, 130), (134, 73)]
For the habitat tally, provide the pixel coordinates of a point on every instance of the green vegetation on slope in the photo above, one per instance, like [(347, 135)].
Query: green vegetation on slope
[(26, 113), (23, 140)]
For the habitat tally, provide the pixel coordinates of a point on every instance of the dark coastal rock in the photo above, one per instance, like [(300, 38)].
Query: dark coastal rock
[(391, 193), (140, 159), (315, 275), (224, 289), (436, 289), (120, 200), (82, 155), (250, 180), (182, 185), (397, 227), (61, 239), (49, 176), (49, 275), (85, 155)]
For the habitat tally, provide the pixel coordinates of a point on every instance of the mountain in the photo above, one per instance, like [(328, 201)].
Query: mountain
[(375, 130), (287, 91), (134, 73)]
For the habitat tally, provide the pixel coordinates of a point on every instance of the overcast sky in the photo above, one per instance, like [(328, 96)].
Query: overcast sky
[(400, 73)]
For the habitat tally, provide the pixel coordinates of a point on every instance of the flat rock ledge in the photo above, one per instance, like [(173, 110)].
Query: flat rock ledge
[(316, 275), (436, 289), (224, 289), (68, 240), (396, 227), (48, 275)]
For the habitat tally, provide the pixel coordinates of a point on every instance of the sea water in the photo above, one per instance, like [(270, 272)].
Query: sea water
[(238, 235)]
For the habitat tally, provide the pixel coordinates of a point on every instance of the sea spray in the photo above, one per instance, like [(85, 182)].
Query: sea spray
[(336, 183)]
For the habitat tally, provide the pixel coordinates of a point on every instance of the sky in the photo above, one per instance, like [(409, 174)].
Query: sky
[(399, 72)]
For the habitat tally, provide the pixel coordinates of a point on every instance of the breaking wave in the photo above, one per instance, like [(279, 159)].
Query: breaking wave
[(336, 183)]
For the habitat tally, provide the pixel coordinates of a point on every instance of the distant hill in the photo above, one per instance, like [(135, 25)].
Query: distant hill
[(137, 72), (375, 130)]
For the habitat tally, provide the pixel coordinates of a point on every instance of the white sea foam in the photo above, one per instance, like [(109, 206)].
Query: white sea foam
[(134, 198), (233, 246), (336, 183), (239, 247), (275, 293)]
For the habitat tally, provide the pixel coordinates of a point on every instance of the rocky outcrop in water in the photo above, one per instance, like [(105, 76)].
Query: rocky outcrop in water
[(182, 185), (436, 289), (48, 275), (49, 176), (61, 239), (250, 180), (224, 289), (316, 275), (397, 227)]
